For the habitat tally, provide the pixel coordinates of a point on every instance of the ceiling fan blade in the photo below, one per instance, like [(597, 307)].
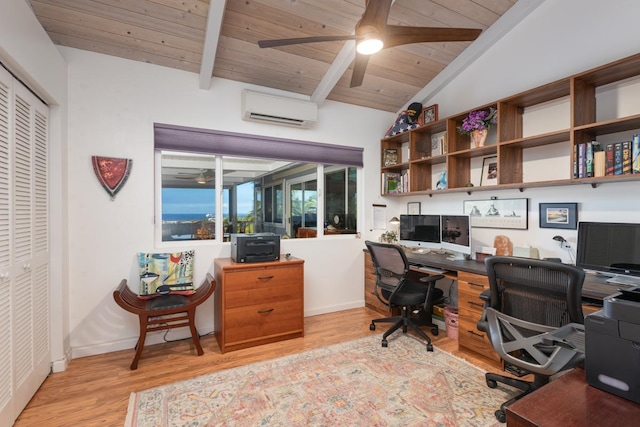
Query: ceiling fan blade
[(301, 40), (359, 68), (397, 35), (376, 14)]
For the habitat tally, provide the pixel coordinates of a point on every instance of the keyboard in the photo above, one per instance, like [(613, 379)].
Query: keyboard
[(431, 269), (626, 282)]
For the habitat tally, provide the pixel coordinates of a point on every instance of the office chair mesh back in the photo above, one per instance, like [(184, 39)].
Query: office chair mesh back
[(538, 294), (391, 269)]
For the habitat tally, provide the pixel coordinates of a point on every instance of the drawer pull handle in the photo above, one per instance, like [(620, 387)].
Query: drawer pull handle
[(475, 304), (265, 278), (476, 334), (267, 311), (476, 285)]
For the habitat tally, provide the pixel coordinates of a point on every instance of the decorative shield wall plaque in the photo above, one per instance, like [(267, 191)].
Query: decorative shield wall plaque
[(111, 172)]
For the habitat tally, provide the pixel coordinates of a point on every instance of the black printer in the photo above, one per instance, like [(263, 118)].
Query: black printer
[(612, 345), (259, 247)]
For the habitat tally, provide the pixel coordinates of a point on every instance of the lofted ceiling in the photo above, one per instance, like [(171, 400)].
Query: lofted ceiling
[(219, 38)]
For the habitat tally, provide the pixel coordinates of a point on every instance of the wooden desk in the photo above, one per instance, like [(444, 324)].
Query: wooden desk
[(472, 281), (595, 288), (571, 401)]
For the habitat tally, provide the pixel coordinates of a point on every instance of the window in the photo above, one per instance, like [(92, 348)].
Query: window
[(341, 200), (188, 197), (228, 190)]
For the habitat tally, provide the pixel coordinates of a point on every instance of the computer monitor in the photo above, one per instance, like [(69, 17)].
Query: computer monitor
[(420, 231), (611, 249), (456, 235)]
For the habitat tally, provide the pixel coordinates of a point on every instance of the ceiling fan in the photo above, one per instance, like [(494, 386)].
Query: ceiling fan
[(205, 176), (372, 33)]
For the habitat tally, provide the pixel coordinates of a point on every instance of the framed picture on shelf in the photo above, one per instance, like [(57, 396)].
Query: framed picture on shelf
[(413, 208), (489, 171), (390, 157), (559, 215), (430, 114), (498, 213)]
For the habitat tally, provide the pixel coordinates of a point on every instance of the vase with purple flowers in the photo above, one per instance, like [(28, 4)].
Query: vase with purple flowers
[(477, 125)]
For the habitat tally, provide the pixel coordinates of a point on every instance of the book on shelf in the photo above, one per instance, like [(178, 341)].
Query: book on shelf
[(406, 151), (438, 144), (581, 159), (395, 182), (598, 163), (390, 157), (635, 154), (588, 159), (609, 160), (617, 158), (626, 157)]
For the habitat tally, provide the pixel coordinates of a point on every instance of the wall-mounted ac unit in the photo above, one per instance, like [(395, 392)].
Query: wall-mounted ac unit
[(267, 108)]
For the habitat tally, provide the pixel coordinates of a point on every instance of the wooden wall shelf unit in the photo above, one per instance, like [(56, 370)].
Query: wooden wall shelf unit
[(580, 91), (258, 303)]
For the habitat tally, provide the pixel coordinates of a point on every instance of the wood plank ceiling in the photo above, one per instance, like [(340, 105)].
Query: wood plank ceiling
[(180, 34)]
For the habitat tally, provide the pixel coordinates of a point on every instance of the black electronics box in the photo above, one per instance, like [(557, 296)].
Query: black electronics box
[(612, 352), (259, 247)]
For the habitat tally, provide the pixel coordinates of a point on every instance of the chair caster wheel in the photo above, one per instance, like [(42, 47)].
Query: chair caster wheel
[(429, 347), (492, 384), (372, 327), (385, 343), (501, 416), (435, 331)]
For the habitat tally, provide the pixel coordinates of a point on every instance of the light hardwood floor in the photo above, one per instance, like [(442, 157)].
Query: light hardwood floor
[(95, 390)]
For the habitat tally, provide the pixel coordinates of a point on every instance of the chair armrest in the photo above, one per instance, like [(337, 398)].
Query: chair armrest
[(482, 325)]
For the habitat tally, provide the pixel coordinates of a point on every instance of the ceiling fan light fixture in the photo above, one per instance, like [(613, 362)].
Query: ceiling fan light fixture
[(369, 46), (201, 179)]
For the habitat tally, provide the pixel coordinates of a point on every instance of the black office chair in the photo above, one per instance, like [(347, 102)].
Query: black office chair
[(397, 287), (533, 317)]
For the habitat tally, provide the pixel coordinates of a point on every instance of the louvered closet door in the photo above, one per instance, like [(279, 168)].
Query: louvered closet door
[(24, 247)]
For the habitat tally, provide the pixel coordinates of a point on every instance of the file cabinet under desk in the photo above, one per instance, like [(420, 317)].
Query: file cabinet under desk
[(470, 306), (258, 303)]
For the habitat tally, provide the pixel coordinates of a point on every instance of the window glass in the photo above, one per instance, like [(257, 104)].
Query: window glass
[(258, 195), (188, 197), (303, 203), (340, 185)]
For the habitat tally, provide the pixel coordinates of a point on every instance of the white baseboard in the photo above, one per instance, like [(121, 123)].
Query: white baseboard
[(334, 308), (62, 364), (130, 343)]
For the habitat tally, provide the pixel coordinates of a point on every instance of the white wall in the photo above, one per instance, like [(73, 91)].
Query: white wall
[(113, 105)]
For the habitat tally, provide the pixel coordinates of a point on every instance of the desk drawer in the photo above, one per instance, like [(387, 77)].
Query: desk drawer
[(469, 300), (263, 321), (470, 337), (246, 288), (475, 281)]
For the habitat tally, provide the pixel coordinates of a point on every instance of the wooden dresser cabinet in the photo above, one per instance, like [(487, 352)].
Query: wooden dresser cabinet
[(258, 303), (470, 306)]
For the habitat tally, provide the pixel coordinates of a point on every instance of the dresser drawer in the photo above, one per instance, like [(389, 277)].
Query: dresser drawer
[(263, 321), (246, 288)]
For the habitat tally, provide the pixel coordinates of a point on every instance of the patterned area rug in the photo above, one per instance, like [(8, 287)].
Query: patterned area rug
[(357, 383)]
